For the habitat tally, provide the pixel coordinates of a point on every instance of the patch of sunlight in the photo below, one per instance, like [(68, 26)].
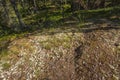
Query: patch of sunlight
[(55, 18), (56, 41), (29, 17), (66, 6), (98, 10), (60, 40), (85, 24)]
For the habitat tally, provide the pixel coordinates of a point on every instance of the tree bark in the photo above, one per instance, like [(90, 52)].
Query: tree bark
[(6, 15), (14, 5)]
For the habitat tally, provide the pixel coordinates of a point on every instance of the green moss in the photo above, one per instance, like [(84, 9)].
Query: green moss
[(54, 42), (4, 43), (3, 53), (6, 66)]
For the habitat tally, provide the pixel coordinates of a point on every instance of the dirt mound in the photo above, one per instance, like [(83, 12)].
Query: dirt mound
[(89, 54), (98, 57)]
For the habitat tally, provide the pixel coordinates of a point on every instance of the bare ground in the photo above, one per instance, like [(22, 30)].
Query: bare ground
[(98, 57), (93, 53)]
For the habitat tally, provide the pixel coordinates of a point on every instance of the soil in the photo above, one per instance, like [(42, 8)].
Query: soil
[(95, 56), (98, 57)]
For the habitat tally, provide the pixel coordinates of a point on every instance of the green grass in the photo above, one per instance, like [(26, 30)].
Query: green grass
[(54, 42)]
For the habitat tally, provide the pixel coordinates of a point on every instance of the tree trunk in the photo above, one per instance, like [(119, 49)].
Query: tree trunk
[(75, 5), (102, 4), (35, 6), (88, 4), (14, 5), (7, 20)]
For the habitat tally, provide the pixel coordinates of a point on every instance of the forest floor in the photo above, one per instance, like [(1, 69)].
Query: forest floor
[(71, 52)]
